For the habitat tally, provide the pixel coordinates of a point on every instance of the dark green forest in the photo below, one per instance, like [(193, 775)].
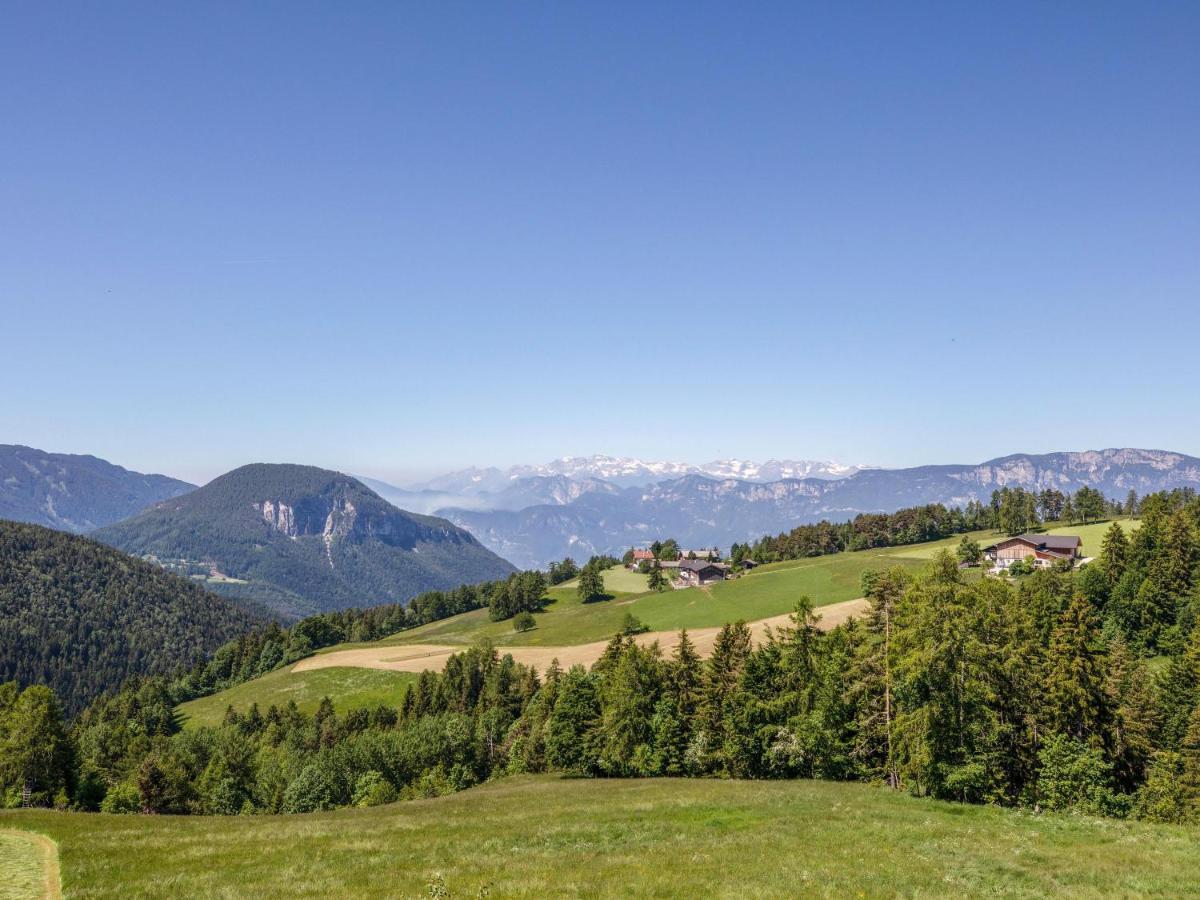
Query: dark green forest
[(82, 618), (1066, 690)]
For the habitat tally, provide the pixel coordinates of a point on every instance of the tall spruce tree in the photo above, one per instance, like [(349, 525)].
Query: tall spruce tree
[(1077, 704), (1114, 553)]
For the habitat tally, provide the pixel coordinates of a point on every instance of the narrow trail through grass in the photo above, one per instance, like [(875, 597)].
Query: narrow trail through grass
[(29, 866)]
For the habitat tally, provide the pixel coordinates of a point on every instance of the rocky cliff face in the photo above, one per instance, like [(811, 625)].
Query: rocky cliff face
[(1114, 471)]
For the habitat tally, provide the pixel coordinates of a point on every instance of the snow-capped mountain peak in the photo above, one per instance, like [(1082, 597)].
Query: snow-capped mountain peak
[(627, 471)]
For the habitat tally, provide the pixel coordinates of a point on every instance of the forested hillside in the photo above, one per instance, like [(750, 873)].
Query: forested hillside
[(82, 617), (303, 540)]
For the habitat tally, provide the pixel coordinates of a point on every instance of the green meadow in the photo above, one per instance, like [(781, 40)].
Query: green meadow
[(551, 837), (350, 688), (769, 590)]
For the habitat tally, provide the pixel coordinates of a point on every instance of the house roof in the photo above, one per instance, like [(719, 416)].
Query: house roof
[(698, 565), (1055, 543), (643, 554)]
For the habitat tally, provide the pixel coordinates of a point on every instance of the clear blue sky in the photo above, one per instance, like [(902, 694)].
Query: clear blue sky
[(398, 238)]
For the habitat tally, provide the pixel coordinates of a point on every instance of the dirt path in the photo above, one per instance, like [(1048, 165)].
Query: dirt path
[(420, 657), (32, 846)]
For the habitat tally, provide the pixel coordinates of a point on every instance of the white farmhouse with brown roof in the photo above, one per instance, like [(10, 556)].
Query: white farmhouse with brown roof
[(1045, 549)]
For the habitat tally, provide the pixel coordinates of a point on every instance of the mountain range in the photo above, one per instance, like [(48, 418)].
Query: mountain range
[(700, 510), (300, 539), (75, 493), (566, 479)]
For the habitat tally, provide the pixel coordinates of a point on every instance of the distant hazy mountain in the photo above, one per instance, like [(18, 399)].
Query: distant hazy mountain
[(75, 493), (626, 471), (301, 540), (83, 617), (702, 511), (494, 487)]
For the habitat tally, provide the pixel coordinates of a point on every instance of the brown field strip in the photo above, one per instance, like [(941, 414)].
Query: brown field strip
[(422, 657)]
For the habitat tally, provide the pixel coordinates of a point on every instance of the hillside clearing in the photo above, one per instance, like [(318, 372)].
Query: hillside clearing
[(422, 657), (351, 688), (618, 578), (546, 836)]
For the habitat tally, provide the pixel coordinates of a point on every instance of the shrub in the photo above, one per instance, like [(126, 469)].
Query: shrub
[(122, 798), (1076, 777), (372, 789), (524, 622), (311, 791)]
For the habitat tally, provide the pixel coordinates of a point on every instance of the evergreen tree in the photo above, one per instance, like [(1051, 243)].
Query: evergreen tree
[(1114, 554), (1077, 705), (1130, 696), (35, 754), (1189, 774), (629, 696), (656, 580), (568, 729), (591, 584), (721, 679)]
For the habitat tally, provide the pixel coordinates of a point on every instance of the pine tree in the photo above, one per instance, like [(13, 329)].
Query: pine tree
[(569, 727), (1076, 702), (656, 580), (629, 695), (35, 752), (1068, 511), (1134, 715), (685, 676), (1114, 554), (1189, 777), (721, 678), (591, 584)]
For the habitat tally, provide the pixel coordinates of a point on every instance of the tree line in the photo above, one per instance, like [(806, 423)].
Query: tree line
[(1010, 510)]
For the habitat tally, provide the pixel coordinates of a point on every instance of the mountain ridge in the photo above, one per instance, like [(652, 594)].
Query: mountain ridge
[(75, 492)]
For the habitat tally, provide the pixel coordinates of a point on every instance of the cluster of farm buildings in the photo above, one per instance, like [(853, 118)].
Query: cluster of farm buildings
[(692, 568), (699, 567)]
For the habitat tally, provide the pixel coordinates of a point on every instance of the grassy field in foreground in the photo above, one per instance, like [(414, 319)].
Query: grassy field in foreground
[(348, 688), (543, 837)]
